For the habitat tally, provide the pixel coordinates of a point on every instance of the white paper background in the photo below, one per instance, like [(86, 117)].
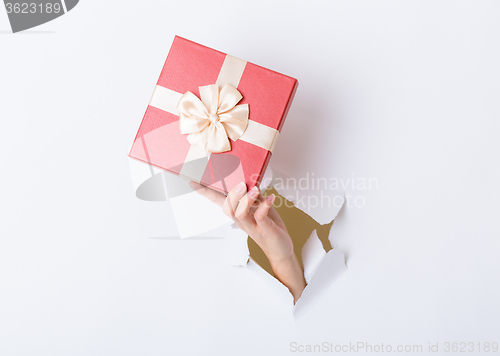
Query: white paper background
[(402, 91)]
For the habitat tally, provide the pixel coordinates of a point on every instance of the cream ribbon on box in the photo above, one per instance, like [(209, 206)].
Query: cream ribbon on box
[(211, 121), (201, 146)]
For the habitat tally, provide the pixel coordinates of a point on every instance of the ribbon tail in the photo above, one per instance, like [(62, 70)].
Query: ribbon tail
[(198, 139), (217, 140)]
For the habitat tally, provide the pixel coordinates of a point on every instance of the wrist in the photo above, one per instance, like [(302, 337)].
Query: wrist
[(285, 258), (288, 271)]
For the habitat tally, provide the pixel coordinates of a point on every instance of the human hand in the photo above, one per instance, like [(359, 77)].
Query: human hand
[(255, 215)]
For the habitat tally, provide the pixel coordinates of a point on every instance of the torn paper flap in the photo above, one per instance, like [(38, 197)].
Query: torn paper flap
[(312, 255), (322, 270), (311, 195), (193, 213)]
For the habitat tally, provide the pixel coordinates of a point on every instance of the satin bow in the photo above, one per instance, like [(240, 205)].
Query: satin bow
[(211, 121)]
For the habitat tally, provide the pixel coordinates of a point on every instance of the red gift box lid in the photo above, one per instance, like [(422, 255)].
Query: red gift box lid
[(188, 66)]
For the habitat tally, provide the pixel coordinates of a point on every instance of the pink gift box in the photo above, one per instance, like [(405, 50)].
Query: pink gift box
[(188, 67)]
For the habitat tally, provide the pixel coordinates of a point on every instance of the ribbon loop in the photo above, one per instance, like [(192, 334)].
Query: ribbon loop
[(211, 121)]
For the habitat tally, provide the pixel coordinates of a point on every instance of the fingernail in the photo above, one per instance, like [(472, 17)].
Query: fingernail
[(240, 188), (271, 198), (254, 192)]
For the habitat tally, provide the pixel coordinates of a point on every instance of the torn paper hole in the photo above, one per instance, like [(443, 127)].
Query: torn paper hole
[(312, 244), (197, 216)]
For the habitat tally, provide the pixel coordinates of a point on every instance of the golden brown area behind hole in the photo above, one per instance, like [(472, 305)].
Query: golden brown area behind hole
[(299, 226)]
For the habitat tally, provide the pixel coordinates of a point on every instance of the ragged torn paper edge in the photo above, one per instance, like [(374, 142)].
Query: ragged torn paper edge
[(197, 216), (321, 269)]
